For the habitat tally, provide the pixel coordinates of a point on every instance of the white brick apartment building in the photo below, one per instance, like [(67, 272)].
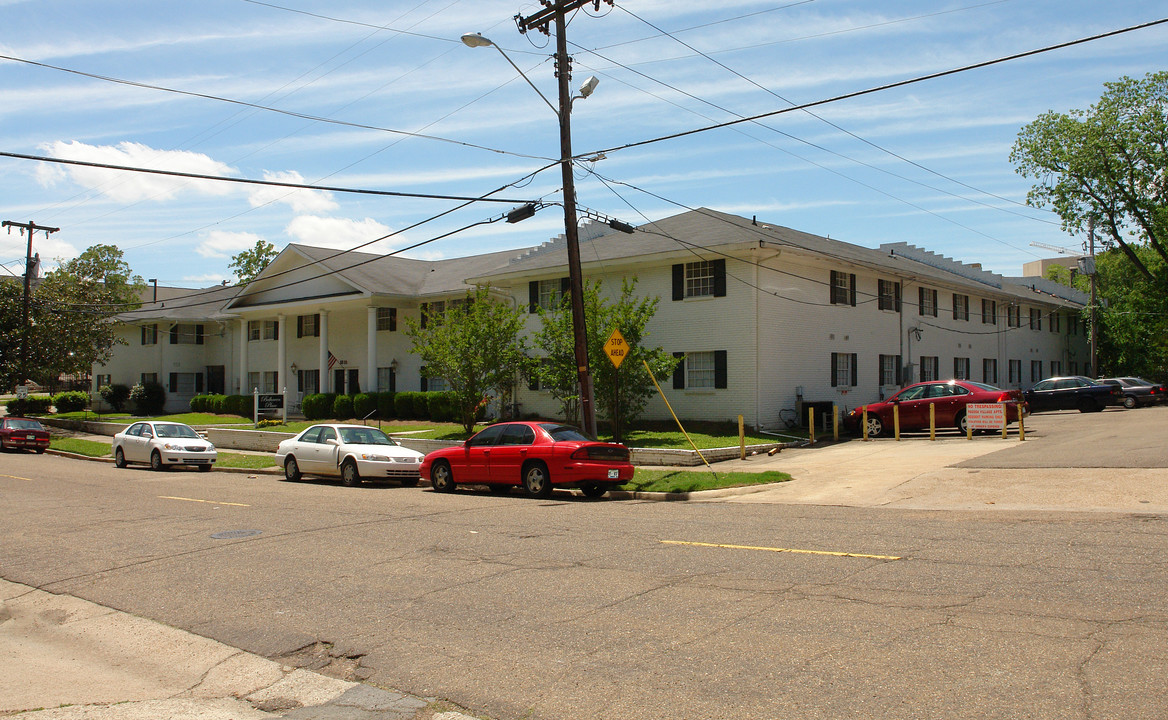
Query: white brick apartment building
[(765, 316)]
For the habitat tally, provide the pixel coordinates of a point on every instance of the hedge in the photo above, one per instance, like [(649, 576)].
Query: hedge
[(442, 406), (343, 407), (317, 406), (32, 405), (115, 395), (71, 401), (149, 399), (364, 404), (385, 409)]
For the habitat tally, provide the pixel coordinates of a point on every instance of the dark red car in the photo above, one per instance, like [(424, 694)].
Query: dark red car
[(949, 397), (17, 433), (536, 455)]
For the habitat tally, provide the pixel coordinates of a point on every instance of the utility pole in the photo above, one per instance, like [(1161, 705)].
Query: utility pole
[(27, 228), (1091, 268), (555, 12)]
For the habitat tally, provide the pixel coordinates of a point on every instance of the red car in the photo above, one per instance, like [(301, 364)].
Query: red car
[(537, 455), (949, 397), (17, 433)]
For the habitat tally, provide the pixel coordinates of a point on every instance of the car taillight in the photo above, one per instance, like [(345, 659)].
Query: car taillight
[(602, 452), (1005, 397)]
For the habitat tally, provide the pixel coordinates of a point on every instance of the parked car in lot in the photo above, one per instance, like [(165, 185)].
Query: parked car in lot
[(1072, 393), (17, 433), (537, 455), (163, 445), (1137, 391), (948, 397), (352, 453)]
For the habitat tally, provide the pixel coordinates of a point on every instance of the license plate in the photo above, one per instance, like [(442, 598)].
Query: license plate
[(30, 437), (614, 474)]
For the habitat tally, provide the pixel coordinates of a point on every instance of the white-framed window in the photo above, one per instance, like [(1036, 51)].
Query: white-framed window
[(308, 325), (889, 291), (1074, 367), (989, 312), (1013, 316), (152, 378), (184, 383), (1035, 368), (927, 301), (1035, 319), (699, 370), (1056, 368), (100, 381), (307, 381), (890, 370), (930, 368), (699, 279), (150, 334), (989, 371), (437, 384), (264, 381), (386, 380), (387, 319), (961, 368), (550, 293), (960, 307), (1054, 322), (843, 288), (1015, 372), (844, 370), (263, 330), (186, 334)]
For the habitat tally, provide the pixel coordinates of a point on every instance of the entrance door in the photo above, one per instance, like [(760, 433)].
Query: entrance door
[(216, 379), (345, 381)]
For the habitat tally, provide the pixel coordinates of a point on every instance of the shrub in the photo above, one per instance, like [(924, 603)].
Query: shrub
[(149, 399), (242, 405), (409, 405), (385, 409), (442, 406), (70, 401), (268, 423), (343, 407), (115, 395), (363, 404), (317, 406), (32, 405)]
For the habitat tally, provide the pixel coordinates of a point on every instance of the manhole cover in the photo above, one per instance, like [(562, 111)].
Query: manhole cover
[(232, 534)]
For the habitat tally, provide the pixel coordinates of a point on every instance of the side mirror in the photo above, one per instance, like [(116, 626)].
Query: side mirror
[(332, 441)]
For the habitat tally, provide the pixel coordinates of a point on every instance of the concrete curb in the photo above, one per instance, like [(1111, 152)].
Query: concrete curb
[(109, 461)]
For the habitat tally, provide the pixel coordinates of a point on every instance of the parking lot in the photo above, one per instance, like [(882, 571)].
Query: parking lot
[(1115, 460)]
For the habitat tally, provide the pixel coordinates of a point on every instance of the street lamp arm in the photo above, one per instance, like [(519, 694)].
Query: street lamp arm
[(476, 40)]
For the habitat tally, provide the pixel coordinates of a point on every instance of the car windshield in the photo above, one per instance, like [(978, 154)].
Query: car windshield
[(364, 436), (983, 386), (24, 424), (175, 431), (562, 433)]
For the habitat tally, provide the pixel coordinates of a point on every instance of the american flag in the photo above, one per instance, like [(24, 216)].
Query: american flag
[(332, 360)]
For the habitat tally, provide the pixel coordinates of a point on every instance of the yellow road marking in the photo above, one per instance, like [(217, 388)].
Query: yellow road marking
[(17, 477), (209, 502), (781, 550)]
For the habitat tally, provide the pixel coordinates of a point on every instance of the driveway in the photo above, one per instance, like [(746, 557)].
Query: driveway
[(1114, 461)]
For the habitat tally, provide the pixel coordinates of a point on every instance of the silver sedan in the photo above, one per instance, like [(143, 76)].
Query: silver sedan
[(163, 445), (350, 452)]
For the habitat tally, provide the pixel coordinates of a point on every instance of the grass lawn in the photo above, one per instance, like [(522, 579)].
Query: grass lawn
[(680, 481), (90, 448), (186, 418), (240, 460)]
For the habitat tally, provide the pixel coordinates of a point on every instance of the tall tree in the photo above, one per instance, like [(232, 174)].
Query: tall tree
[(250, 263), (1107, 164), (475, 345), (621, 394), (70, 325)]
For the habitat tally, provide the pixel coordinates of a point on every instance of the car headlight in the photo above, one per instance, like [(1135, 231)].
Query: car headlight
[(374, 458), (170, 446)]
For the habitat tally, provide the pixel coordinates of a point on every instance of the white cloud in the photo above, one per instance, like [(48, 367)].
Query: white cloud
[(121, 186), (220, 244), (340, 233), (301, 201), (206, 279)]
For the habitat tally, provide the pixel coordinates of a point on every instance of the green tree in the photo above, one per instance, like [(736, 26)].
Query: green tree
[(475, 345), (620, 395), (1107, 165), (250, 263), (70, 318)]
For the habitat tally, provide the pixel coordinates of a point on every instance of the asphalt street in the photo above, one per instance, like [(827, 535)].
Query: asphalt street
[(564, 609)]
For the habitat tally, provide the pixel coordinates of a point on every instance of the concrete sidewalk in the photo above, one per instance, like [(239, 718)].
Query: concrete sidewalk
[(69, 659)]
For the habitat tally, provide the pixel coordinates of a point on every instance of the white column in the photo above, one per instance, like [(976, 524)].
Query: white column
[(326, 383), (243, 388), (370, 384), (281, 355)]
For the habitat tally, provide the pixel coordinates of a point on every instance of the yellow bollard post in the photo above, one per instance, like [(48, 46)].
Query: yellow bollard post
[(811, 424), (932, 421), (865, 423), (1005, 422), (741, 439), (968, 428), (1021, 426), (896, 421), (835, 422)]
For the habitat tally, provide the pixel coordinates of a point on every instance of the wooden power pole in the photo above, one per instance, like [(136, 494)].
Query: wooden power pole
[(27, 228)]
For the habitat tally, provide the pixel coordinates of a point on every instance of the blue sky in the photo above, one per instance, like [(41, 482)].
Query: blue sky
[(377, 67)]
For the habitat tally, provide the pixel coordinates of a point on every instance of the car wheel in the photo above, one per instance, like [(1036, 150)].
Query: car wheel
[(349, 475), (441, 479), (593, 490), (962, 422), (1087, 405), (156, 461), (119, 458), (498, 489), (409, 482), (1129, 401), (875, 425), (205, 467), (291, 470), (536, 481)]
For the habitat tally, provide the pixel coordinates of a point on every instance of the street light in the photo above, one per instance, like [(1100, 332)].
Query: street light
[(571, 235)]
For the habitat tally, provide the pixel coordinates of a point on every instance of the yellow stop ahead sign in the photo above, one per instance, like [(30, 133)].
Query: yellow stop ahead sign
[(616, 348)]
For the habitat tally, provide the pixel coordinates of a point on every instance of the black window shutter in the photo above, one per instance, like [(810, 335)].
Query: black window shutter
[(899, 371), (852, 289), (143, 334), (198, 382), (679, 371), (920, 301), (855, 371), (425, 311), (277, 331), (896, 292), (393, 320), (834, 369), (173, 382), (198, 334), (299, 326), (174, 334), (425, 384), (719, 268), (532, 296), (565, 286), (679, 282), (533, 383), (720, 369), (316, 325)]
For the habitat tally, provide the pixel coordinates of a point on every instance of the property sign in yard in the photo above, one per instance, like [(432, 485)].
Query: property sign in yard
[(272, 401), (985, 416)]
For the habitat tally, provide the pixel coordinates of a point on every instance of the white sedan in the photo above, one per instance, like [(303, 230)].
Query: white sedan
[(163, 445), (350, 452)]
